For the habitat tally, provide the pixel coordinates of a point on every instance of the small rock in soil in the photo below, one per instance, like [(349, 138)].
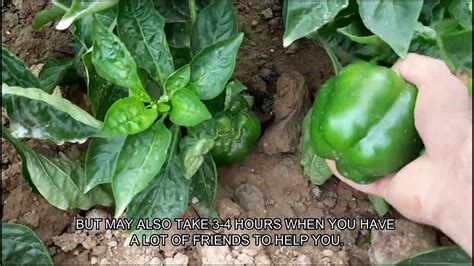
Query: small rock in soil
[(228, 209), (68, 242), (316, 192), (274, 22), (267, 13), (406, 240), (262, 259), (328, 253), (97, 214), (302, 259), (290, 106), (29, 6), (89, 243), (178, 259), (112, 243), (99, 250), (329, 202), (250, 197), (292, 49), (155, 261), (215, 255), (254, 23), (31, 219), (94, 260)]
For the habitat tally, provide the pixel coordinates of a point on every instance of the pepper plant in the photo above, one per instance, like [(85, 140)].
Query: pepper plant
[(157, 76)]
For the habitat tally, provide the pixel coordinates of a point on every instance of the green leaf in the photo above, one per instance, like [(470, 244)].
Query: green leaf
[(187, 109), (59, 180), (173, 10), (21, 246), (102, 93), (166, 195), (35, 114), (128, 116), (358, 33), (213, 66), (24, 169), (141, 28), (150, 85), (459, 9), (178, 79), (334, 60), (313, 166), (214, 23), (101, 160), (379, 204), (82, 8), (46, 16), (114, 62), (426, 15), (204, 187), (16, 73), (204, 130), (83, 27), (306, 17), (140, 160), (192, 151), (181, 56), (455, 46), (178, 34), (393, 21), (424, 42), (452, 255), (53, 72), (233, 88)]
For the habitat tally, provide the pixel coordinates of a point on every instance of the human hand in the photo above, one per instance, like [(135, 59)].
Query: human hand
[(436, 188)]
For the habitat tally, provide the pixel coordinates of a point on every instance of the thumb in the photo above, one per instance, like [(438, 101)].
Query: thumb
[(377, 188)]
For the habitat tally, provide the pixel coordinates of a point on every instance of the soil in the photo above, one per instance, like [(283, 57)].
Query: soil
[(262, 186)]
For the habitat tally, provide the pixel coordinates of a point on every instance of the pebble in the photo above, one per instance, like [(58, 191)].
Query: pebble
[(274, 22), (329, 202), (326, 261), (250, 197), (267, 13), (112, 243), (254, 23), (316, 192), (302, 259), (99, 250), (328, 253), (292, 49), (89, 243), (94, 260), (155, 260), (108, 234)]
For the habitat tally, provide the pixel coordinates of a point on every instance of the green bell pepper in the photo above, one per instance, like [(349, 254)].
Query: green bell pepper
[(363, 119), (237, 129)]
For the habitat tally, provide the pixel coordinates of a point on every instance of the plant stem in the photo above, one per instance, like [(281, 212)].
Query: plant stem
[(192, 10)]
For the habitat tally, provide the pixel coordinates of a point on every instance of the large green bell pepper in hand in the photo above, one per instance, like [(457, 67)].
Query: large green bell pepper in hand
[(363, 119), (237, 130)]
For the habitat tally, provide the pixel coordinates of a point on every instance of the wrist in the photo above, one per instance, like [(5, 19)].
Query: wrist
[(454, 209)]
